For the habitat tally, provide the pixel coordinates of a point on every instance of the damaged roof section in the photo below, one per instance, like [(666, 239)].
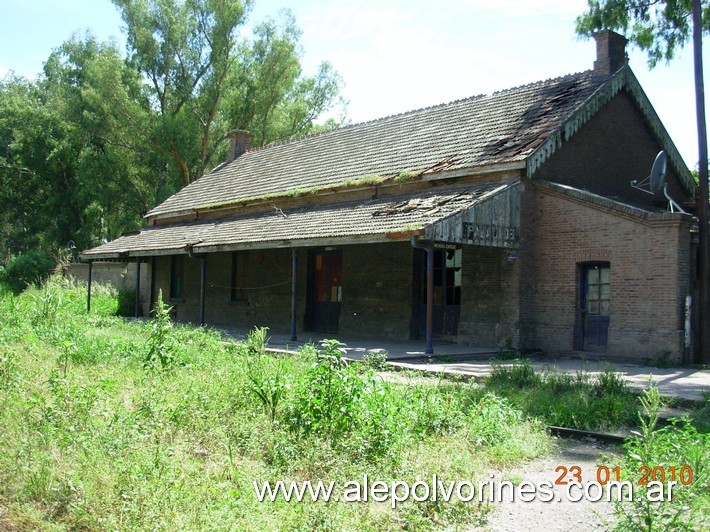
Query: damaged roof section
[(483, 131), (374, 220), (432, 205)]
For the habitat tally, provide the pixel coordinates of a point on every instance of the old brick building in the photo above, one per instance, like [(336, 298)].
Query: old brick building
[(498, 220)]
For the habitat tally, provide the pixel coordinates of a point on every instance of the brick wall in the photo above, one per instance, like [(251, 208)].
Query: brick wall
[(268, 279), (649, 276), (118, 274), (613, 148), (379, 294), (377, 290), (489, 300)]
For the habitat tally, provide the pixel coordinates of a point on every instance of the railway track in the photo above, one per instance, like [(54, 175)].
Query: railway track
[(565, 432)]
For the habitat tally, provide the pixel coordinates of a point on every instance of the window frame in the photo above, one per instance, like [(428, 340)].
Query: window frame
[(177, 277)]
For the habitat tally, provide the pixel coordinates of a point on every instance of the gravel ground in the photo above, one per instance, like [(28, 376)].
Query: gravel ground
[(562, 515)]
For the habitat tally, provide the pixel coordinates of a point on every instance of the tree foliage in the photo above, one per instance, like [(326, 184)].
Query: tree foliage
[(100, 137), (659, 27)]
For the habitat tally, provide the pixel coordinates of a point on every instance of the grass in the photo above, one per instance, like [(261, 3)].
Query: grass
[(659, 452), (603, 402), (102, 429), (116, 424), (578, 401)]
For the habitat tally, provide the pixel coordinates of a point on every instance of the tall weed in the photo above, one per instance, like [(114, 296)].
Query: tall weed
[(328, 396), (677, 445), (268, 380), (579, 400), (161, 343), (520, 374)]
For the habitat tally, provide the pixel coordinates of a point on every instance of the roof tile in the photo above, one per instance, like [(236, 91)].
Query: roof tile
[(286, 227), (505, 126)]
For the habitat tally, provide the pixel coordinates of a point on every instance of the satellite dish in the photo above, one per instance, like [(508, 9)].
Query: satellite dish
[(655, 182), (658, 173)]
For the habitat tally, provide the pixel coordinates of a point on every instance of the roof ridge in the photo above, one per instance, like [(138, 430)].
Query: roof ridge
[(365, 122), (292, 140), (545, 81)]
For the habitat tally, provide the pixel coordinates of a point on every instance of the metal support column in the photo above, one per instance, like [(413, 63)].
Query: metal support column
[(203, 277), (88, 289), (429, 248), (136, 312), (294, 269), (429, 301)]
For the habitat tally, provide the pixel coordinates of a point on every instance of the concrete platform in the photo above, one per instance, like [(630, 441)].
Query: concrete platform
[(476, 362), (683, 383), (355, 348)]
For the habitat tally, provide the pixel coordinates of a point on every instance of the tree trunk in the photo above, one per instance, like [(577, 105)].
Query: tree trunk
[(702, 198), (183, 167)]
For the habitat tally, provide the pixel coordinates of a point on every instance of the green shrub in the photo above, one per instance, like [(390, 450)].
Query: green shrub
[(610, 382), (375, 359), (435, 409), (328, 397), (490, 420), (257, 341), (266, 374), (161, 343), (127, 302), (520, 374), (570, 400), (9, 370), (676, 445), (26, 269)]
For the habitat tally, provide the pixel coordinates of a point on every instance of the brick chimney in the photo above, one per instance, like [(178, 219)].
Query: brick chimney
[(611, 52), (241, 142)]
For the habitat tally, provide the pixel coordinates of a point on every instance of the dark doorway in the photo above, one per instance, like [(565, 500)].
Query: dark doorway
[(447, 292), (595, 301), (325, 295)]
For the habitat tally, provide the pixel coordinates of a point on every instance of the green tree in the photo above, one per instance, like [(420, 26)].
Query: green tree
[(104, 103), (205, 80), (266, 93), (660, 27), (37, 178), (99, 139)]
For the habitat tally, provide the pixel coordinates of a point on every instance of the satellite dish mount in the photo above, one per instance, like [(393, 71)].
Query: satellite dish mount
[(656, 181)]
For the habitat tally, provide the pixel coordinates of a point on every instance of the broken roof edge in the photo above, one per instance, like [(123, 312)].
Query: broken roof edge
[(157, 211), (376, 238), (483, 197), (623, 78), (152, 240), (364, 183), (607, 204)]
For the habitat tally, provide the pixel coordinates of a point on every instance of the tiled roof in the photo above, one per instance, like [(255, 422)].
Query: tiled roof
[(503, 127), (374, 218)]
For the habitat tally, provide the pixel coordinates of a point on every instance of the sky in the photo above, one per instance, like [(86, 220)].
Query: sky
[(396, 55)]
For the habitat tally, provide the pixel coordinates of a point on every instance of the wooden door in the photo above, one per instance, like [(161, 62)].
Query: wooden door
[(596, 301), (326, 293), (447, 293)]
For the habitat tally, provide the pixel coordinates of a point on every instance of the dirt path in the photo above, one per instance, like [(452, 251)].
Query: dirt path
[(562, 515)]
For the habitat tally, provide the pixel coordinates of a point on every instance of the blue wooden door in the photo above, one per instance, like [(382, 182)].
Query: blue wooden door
[(596, 301)]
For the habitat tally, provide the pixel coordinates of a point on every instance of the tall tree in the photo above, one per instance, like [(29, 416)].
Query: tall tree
[(205, 80), (98, 139), (660, 27), (184, 48)]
